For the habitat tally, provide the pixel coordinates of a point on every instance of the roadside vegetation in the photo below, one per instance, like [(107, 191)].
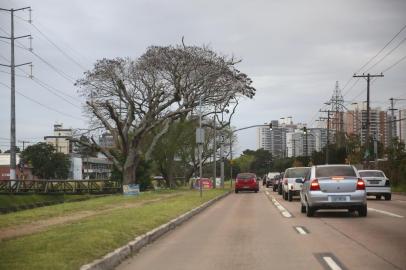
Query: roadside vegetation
[(116, 220), (23, 201)]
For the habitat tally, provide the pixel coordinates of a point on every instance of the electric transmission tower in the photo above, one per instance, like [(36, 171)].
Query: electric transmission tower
[(337, 108)]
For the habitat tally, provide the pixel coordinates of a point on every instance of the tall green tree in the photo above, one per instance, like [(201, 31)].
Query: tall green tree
[(45, 162)]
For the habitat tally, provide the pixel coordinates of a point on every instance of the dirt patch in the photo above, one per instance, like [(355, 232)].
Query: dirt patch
[(42, 225)]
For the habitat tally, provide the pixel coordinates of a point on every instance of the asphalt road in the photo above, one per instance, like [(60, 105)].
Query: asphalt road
[(248, 231)]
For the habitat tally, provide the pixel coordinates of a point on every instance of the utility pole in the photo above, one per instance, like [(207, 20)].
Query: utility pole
[(392, 122), (214, 152), (12, 66), (368, 76), (222, 161)]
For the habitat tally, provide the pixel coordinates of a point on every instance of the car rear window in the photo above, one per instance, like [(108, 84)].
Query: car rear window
[(328, 171), (245, 176), (296, 172), (371, 174)]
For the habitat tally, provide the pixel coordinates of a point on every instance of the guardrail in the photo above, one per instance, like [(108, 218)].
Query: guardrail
[(93, 186)]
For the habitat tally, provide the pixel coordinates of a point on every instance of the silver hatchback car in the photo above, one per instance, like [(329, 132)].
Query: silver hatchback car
[(333, 187)]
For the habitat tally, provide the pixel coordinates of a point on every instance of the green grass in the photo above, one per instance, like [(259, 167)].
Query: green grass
[(399, 188), (18, 200), (72, 245), (96, 204)]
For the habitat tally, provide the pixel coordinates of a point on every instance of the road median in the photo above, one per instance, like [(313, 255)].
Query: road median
[(114, 258), (98, 227)]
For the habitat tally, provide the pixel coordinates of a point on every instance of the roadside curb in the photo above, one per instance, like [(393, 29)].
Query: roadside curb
[(115, 257), (399, 193)]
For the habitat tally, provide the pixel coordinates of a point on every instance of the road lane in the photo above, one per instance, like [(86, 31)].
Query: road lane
[(242, 231), (383, 237), (247, 231)]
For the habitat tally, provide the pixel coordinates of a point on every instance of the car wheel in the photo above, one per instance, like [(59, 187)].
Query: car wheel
[(284, 195), (362, 211), (302, 208), (378, 197), (236, 191), (256, 191), (290, 196), (273, 188), (309, 211), (388, 197), (279, 190)]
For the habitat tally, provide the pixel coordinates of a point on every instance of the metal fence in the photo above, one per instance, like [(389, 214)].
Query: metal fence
[(60, 186)]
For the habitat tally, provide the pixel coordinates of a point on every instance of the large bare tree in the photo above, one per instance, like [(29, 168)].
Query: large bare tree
[(131, 98)]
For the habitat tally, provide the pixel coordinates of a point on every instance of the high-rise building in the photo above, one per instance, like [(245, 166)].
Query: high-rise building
[(355, 122), (264, 138), (60, 139)]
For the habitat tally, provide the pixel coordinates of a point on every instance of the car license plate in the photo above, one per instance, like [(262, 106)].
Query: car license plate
[(338, 198), (246, 187), (374, 182)]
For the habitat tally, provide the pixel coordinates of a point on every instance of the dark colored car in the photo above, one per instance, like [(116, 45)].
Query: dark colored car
[(246, 181), (264, 181), (279, 187), (275, 182)]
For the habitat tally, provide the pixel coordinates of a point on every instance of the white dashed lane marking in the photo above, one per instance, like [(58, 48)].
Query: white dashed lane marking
[(281, 209), (385, 212), (331, 263), (300, 230)]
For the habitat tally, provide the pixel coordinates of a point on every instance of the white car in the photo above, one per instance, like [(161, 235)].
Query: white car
[(377, 184), (292, 182)]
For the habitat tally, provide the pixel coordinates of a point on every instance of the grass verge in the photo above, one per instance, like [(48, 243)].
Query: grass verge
[(399, 188), (19, 200), (72, 245)]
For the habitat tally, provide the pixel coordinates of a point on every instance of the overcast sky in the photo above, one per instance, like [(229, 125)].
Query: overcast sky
[(294, 51)]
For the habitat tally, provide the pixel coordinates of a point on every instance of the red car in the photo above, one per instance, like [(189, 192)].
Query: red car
[(206, 183), (246, 181)]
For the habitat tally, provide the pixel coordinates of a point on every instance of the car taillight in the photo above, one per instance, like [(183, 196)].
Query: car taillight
[(285, 181), (387, 184), (314, 185), (360, 184)]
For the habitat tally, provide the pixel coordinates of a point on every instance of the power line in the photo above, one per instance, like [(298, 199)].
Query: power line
[(386, 45), (58, 48), (386, 55), (394, 64), (41, 104)]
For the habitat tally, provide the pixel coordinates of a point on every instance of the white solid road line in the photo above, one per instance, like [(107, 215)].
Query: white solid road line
[(300, 230), (385, 212), (331, 263)]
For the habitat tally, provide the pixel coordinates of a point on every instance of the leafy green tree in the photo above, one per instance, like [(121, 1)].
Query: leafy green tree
[(46, 163), (262, 161), (244, 162)]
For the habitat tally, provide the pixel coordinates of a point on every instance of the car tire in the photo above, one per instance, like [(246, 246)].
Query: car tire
[(362, 211), (284, 195), (279, 190), (309, 211), (388, 197), (273, 188), (236, 191), (290, 196), (378, 197), (302, 208), (256, 191)]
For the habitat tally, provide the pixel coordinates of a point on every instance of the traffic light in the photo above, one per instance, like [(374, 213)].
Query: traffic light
[(270, 126), (304, 130)]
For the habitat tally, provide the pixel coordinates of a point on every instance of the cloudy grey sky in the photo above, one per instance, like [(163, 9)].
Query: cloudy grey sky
[(294, 51)]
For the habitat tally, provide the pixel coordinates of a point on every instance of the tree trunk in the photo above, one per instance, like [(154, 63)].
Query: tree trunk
[(129, 174), (129, 168)]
